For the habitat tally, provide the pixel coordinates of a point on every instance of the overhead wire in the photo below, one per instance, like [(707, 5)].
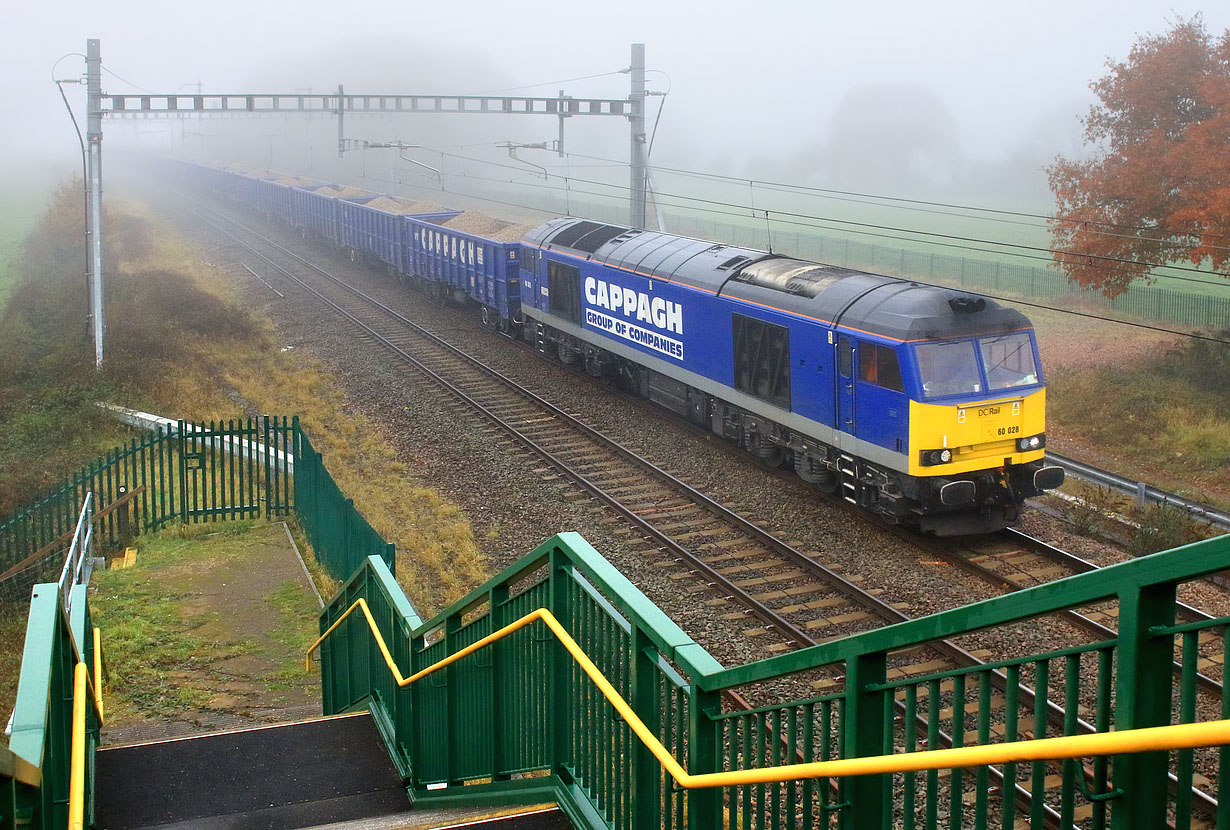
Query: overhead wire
[(552, 83), (120, 77), (808, 225), (85, 170), (1011, 300), (790, 187), (792, 217)]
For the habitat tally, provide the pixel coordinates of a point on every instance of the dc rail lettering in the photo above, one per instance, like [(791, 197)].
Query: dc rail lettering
[(660, 313)]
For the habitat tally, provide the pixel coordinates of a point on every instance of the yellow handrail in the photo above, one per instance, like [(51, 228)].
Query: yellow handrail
[(76, 770), (1177, 736), (98, 697), (76, 774)]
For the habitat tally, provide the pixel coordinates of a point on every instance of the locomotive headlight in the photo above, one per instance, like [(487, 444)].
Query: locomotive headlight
[(1033, 442), (930, 458)]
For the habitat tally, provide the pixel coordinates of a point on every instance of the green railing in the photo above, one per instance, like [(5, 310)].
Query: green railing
[(338, 533), (197, 472), (237, 469), (517, 720), (35, 769), (190, 473)]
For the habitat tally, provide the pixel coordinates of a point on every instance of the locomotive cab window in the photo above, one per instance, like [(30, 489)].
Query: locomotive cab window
[(564, 285), (1008, 360), (948, 367), (762, 359), (878, 364)]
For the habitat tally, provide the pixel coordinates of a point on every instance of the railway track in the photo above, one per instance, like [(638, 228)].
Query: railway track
[(1014, 560), (768, 586)]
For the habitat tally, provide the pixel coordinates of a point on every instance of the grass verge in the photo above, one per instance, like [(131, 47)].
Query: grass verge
[(439, 560), (1164, 418), (12, 637)]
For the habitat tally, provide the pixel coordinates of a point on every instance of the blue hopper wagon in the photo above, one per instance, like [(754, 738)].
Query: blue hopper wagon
[(483, 265), (375, 228)]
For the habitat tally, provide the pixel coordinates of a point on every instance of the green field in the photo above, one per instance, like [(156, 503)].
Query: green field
[(21, 204)]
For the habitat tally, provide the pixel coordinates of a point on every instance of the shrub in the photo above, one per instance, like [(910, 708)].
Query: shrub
[(1162, 527)]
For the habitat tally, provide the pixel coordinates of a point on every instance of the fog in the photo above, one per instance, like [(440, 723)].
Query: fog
[(955, 100)]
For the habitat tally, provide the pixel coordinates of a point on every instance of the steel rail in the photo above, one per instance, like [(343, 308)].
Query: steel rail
[(883, 609), (1080, 566), (784, 627), (1127, 741), (1140, 489)]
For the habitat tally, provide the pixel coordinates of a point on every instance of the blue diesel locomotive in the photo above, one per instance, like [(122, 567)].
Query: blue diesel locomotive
[(923, 405)]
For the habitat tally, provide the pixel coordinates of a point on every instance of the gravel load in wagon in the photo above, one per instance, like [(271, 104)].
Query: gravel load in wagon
[(341, 192), (430, 207), (512, 233), (296, 181), (400, 206), (471, 221)]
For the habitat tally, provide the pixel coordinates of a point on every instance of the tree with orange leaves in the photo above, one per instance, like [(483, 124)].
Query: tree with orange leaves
[(1157, 189)]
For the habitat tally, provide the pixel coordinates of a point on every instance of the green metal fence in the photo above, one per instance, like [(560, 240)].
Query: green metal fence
[(237, 469), (518, 721), (190, 473), (196, 472), (338, 533)]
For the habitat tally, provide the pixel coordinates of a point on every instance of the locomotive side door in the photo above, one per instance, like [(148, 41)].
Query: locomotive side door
[(846, 361)]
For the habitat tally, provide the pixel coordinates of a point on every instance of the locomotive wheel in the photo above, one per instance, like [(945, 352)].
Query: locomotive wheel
[(827, 484), (769, 454), (772, 457)]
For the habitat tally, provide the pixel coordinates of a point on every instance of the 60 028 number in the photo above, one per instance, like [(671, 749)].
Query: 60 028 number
[(1009, 430)]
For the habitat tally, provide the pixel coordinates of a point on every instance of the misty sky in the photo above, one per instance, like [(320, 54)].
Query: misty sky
[(753, 85)]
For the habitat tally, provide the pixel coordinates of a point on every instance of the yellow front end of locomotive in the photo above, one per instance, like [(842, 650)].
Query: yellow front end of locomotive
[(976, 436)]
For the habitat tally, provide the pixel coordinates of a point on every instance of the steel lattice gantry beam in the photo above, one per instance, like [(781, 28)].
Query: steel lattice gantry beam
[(376, 104)]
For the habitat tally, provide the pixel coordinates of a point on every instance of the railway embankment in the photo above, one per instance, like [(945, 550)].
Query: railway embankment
[(181, 343), (1148, 405)]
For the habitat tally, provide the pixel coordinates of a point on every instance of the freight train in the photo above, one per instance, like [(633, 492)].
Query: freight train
[(923, 405)]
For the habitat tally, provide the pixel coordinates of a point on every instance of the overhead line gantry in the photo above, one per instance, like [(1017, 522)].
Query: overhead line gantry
[(158, 105)]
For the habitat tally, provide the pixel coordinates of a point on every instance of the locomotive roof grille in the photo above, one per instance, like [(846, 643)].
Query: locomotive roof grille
[(733, 262), (587, 236), (792, 276)]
